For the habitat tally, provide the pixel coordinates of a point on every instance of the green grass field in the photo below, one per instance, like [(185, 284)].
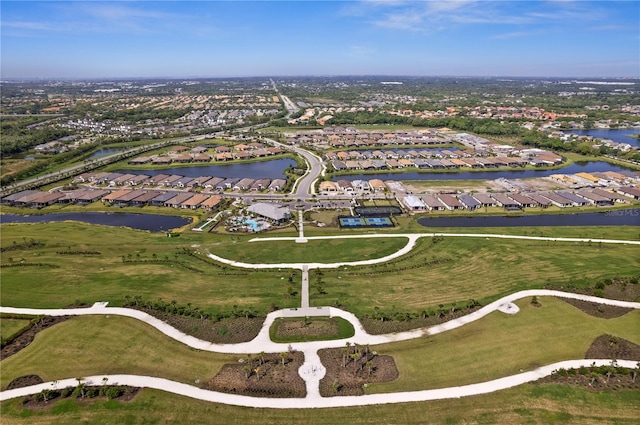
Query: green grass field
[(9, 326), (155, 267), (90, 345), (320, 251), (345, 329), (495, 346), (501, 345), (479, 268), (528, 404)]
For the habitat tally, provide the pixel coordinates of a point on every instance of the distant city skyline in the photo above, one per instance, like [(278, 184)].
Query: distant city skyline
[(148, 39)]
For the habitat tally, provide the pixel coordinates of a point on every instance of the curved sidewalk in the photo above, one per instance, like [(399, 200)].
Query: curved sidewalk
[(262, 341), (412, 239), (315, 400)]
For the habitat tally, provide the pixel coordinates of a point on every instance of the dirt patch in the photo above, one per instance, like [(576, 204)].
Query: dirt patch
[(302, 327), (26, 337), (613, 347), (225, 331), (312, 328), (268, 377), (25, 381), (379, 327), (349, 370), (603, 311)]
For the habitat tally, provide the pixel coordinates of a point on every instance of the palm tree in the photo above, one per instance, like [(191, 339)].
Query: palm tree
[(81, 385), (283, 356), (247, 371), (370, 366), (354, 357)]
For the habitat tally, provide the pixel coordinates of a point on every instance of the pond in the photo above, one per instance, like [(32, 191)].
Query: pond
[(273, 169), (629, 217), (576, 167), (620, 135), (104, 152), (150, 222)]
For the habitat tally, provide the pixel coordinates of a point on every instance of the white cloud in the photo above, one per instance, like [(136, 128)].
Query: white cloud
[(439, 15), (515, 34), (29, 25)]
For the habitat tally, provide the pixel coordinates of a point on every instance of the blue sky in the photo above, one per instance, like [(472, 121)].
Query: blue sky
[(561, 38)]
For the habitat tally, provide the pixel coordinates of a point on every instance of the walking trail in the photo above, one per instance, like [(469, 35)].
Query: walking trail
[(312, 370)]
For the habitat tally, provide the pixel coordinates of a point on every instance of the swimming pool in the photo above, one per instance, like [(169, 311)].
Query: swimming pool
[(254, 224)]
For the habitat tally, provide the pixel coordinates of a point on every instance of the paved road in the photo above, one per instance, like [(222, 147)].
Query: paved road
[(304, 187), (97, 162)]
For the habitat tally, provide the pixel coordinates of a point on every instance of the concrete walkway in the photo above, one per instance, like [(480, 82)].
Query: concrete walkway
[(305, 287), (412, 239), (313, 398), (262, 341), (312, 369), (301, 238)]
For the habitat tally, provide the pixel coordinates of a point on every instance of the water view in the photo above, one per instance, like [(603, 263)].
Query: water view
[(576, 167), (273, 169), (606, 218), (620, 135), (150, 222), (104, 152)]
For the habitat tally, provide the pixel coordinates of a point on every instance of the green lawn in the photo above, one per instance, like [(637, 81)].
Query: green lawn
[(105, 277), (320, 251), (9, 326), (93, 345), (476, 268), (345, 329), (480, 268), (500, 345), (527, 404)]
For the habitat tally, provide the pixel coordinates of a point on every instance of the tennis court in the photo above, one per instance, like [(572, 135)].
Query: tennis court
[(378, 221), (377, 211), (365, 222), (352, 222)]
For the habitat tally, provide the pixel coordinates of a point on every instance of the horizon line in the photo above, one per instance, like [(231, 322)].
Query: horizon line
[(52, 78)]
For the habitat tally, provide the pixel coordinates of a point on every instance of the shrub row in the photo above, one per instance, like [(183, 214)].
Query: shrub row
[(78, 252), (81, 391), (425, 263), (188, 310), (406, 316), (32, 243), (52, 266), (606, 370)]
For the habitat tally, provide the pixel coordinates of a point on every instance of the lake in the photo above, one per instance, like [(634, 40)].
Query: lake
[(576, 167), (606, 218), (150, 222), (620, 135), (273, 169)]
